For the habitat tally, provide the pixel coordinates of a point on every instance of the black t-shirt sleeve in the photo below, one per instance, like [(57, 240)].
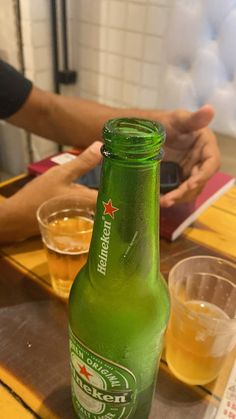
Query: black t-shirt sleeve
[(14, 90)]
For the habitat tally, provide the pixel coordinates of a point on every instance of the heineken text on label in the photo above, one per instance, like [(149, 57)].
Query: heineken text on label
[(101, 389), (109, 209)]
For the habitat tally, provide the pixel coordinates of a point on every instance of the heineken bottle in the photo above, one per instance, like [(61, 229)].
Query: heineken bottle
[(119, 303)]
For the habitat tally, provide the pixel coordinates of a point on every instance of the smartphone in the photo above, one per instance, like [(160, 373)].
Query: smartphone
[(170, 176)]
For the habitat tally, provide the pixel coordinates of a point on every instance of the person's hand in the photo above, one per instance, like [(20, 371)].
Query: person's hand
[(18, 213), (193, 146)]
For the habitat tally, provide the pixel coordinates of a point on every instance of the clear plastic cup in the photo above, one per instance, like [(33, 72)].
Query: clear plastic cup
[(202, 326), (66, 225)]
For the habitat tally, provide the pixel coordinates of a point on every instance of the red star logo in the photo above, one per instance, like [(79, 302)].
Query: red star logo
[(84, 372), (109, 209)]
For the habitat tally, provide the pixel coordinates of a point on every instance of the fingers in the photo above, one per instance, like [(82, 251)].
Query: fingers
[(86, 193), (205, 171), (192, 158), (192, 121), (186, 192), (86, 161), (204, 153), (205, 157), (174, 196), (200, 174)]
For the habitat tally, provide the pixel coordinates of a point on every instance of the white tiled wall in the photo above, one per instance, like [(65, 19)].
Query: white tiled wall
[(13, 145), (201, 62), (37, 46), (120, 44), (37, 49), (8, 33), (115, 45)]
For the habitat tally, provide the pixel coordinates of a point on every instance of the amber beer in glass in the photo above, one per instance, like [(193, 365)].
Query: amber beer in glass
[(66, 226), (119, 303), (202, 327)]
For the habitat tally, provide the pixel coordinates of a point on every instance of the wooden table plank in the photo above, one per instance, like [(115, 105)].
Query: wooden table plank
[(216, 227), (30, 257), (227, 201), (11, 407), (217, 230), (33, 327), (34, 356)]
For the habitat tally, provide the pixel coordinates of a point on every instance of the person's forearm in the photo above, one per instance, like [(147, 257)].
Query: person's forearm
[(80, 122), (70, 120)]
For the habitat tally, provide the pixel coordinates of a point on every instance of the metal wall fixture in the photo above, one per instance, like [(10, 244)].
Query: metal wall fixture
[(65, 75)]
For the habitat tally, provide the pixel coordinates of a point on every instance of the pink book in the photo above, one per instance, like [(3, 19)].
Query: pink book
[(174, 220)]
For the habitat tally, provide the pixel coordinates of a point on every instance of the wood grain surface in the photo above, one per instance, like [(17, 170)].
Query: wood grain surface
[(34, 358)]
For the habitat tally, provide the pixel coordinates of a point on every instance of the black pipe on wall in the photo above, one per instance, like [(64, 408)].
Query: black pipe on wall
[(64, 35), (22, 65), (64, 76), (53, 6)]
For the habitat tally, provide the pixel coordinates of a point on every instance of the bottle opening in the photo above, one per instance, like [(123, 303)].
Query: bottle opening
[(133, 138)]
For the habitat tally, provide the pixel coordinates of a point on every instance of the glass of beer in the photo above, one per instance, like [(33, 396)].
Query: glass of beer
[(202, 326), (66, 225)]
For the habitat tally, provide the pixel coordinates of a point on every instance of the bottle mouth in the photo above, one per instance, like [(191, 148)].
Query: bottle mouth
[(133, 138)]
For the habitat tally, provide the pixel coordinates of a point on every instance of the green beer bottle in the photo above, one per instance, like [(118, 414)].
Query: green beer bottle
[(119, 303)]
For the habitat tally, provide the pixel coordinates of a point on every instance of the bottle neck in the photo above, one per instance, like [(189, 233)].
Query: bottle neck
[(125, 237)]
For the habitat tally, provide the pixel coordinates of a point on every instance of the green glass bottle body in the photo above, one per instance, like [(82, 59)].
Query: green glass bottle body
[(119, 303)]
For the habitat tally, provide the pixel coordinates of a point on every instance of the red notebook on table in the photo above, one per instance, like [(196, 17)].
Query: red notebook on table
[(174, 220), (39, 167)]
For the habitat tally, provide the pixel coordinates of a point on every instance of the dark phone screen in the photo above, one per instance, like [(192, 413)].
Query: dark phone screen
[(171, 176)]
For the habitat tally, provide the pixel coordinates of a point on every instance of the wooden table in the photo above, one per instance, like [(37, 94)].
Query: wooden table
[(34, 358)]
